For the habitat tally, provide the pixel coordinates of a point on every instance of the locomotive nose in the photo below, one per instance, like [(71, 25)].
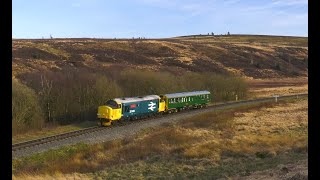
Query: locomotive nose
[(104, 112)]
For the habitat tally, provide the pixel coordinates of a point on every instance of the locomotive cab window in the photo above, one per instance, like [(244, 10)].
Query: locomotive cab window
[(112, 104)]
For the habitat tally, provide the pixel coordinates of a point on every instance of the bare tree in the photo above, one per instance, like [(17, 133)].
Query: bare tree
[(46, 89)]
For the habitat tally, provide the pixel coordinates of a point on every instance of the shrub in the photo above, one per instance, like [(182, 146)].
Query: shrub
[(277, 67), (26, 111), (257, 65)]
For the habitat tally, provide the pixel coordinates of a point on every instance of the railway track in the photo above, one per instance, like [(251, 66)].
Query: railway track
[(59, 137)]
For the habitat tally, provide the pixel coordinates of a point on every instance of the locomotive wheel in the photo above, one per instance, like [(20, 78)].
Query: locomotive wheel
[(120, 121)]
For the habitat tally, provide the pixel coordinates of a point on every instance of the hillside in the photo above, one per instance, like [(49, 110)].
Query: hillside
[(258, 57)]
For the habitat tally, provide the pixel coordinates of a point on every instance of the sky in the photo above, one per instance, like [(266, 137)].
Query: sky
[(156, 18)]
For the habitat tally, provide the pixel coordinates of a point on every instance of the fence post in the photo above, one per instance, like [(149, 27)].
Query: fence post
[(276, 97)]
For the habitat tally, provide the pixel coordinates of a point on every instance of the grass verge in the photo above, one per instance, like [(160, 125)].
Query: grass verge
[(50, 131)]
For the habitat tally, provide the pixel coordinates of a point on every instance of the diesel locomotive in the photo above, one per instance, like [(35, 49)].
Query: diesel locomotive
[(132, 108)]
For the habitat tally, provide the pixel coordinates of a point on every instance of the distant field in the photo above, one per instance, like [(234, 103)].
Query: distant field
[(269, 140), (267, 88)]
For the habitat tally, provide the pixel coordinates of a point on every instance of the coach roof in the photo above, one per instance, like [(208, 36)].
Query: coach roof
[(184, 94)]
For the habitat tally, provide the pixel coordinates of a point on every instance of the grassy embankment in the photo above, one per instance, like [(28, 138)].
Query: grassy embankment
[(221, 143)]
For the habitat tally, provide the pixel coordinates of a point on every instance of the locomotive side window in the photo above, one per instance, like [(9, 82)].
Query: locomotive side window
[(126, 108)]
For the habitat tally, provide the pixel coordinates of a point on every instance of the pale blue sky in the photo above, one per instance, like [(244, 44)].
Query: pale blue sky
[(157, 18)]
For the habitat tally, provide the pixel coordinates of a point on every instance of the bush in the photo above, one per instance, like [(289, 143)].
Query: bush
[(257, 65), (277, 67), (26, 111)]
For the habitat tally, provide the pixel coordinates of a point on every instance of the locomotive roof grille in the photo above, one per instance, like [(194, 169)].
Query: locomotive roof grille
[(136, 99), (183, 94)]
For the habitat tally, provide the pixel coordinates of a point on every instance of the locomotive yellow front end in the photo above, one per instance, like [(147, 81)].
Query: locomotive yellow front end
[(109, 112)]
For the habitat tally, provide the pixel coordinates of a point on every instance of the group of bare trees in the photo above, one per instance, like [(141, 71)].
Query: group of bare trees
[(73, 96)]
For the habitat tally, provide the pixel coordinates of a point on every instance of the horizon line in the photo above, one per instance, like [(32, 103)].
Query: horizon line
[(145, 38)]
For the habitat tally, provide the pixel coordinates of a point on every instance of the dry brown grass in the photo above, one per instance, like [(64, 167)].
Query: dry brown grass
[(280, 86), (261, 131), (288, 90), (50, 130), (202, 54), (56, 176)]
